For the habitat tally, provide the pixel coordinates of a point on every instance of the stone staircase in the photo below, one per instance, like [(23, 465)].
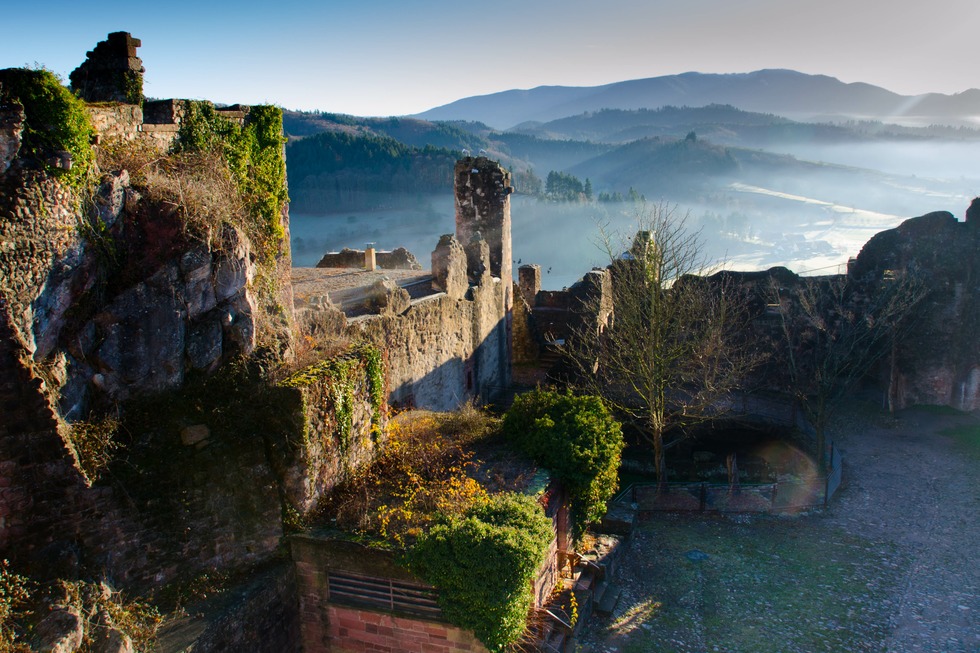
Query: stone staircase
[(588, 590)]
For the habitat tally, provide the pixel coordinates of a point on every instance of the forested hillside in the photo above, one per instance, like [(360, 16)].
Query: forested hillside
[(343, 171)]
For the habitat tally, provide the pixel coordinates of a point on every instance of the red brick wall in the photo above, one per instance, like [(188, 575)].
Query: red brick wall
[(356, 631)]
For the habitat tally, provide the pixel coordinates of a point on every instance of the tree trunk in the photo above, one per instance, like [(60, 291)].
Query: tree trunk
[(732, 464), (660, 465)]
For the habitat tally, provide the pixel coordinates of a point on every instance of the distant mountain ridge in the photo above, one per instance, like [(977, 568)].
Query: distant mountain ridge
[(787, 93)]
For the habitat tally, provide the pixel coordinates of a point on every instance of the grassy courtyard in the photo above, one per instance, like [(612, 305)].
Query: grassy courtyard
[(765, 585)]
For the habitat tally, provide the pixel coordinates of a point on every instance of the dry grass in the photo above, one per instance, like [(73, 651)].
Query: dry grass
[(199, 185), (133, 156), (94, 443)]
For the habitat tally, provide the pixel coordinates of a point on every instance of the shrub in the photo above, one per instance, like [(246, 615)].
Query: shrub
[(484, 564), (55, 121), (15, 595), (577, 439), (94, 443), (421, 475)]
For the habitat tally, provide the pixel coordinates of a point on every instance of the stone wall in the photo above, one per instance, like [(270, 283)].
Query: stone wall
[(316, 452), (396, 259), (938, 360), (442, 351), (260, 617), (119, 121)]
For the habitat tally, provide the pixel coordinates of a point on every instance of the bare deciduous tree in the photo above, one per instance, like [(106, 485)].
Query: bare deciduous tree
[(835, 330), (675, 348)]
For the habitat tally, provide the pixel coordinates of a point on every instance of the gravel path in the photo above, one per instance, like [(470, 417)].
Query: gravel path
[(893, 565), (909, 484)]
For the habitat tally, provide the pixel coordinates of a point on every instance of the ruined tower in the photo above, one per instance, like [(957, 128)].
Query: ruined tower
[(483, 189), (111, 71), (483, 206)]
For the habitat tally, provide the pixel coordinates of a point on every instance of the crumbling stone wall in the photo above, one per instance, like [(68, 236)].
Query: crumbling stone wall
[(396, 259), (118, 121), (111, 71), (261, 617), (443, 350), (938, 360), (320, 447)]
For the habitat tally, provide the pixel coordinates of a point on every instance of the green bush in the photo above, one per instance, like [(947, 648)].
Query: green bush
[(55, 121), (484, 565), (577, 439)]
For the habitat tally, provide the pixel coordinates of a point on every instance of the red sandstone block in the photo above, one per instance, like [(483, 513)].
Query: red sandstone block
[(348, 621), (370, 617)]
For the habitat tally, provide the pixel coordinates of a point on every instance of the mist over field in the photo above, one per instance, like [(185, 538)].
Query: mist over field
[(807, 223)]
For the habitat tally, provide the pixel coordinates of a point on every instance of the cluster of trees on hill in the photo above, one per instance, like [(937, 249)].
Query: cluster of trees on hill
[(562, 186), (337, 171)]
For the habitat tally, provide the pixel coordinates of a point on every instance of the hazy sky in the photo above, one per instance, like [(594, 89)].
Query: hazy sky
[(393, 57)]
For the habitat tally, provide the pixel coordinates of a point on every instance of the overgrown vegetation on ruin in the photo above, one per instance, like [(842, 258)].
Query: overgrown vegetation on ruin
[(425, 469), (456, 518), (484, 562), (255, 161), (55, 122), (342, 373)]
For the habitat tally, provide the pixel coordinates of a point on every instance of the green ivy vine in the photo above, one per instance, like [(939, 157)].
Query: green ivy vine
[(54, 121), (255, 156), (343, 375), (484, 564)]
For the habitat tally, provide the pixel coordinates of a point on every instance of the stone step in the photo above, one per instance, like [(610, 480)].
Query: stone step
[(556, 641), (610, 597), (600, 591)]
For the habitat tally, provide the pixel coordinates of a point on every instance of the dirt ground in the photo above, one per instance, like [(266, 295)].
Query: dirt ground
[(892, 565)]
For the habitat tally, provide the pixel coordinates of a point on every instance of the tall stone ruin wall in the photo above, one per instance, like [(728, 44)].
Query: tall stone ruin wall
[(938, 360), (442, 351)]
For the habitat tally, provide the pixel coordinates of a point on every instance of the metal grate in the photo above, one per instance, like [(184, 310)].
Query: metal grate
[(384, 594)]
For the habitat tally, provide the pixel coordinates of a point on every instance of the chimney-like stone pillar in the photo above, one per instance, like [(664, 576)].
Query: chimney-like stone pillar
[(483, 191), (529, 280), (483, 205), (111, 72), (370, 260)]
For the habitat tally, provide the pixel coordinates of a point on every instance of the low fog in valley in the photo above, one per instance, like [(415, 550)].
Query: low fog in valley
[(810, 218)]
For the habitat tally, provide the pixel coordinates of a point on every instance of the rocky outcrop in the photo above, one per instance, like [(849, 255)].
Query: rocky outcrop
[(61, 631), (119, 312), (938, 360)]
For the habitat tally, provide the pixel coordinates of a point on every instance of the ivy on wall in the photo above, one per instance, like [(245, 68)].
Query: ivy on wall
[(484, 563), (342, 375), (55, 122), (255, 157)]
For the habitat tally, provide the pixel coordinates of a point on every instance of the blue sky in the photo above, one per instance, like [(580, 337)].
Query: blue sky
[(390, 57)]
